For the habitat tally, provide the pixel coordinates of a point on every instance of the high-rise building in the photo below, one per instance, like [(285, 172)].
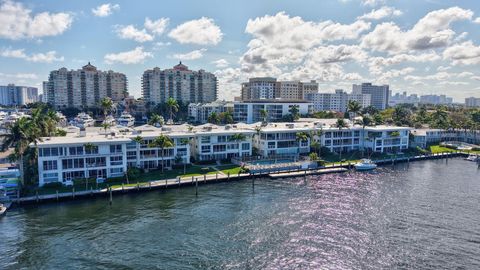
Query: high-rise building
[(337, 101), (85, 87), (270, 88), (180, 83), (379, 94), (13, 95), (436, 99), (472, 102), (403, 98)]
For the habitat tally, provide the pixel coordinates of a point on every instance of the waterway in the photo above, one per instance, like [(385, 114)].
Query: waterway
[(422, 215)]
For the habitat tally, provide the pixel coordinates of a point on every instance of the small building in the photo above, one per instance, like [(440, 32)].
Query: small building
[(250, 111)]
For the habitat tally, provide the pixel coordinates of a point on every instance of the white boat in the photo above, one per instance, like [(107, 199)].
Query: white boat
[(3, 209), (473, 158), (126, 120), (83, 120), (365, 165)]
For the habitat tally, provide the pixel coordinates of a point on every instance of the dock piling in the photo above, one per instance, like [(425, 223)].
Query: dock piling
[(111, 196), (73, 192), (37, 195), (204, 178), (56, 192), (228, 176), (196, 186)]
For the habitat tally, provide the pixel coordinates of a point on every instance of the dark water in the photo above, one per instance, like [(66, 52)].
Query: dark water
[(422, 216)]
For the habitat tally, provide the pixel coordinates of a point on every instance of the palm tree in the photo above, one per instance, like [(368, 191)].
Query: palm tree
[(213, 118), (354, 107), (105, 126), (263, 114), (301, 137), (138, 139), (313, 156), (89, 147), (107, 106), (185, 141), (364, 122), (162, 142), (340, 125), (155, 120), (238, 137), (172, 106)]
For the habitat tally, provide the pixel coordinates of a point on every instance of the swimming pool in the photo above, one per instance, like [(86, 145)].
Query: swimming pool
[(270, 161)]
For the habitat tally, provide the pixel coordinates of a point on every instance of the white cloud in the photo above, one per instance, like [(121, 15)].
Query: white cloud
[(475, 78), (430, 32), (221, 63), (203, 31), (130, 32), (134, 56), (393, 73), (31, 76), (196, 54), (453, 83), (156, 27), (477, 20), (443, 68), (372, 2), (383, 12), (105, 10), (337, 53), (465, 53), (17, 22), (47, 57), (377, 64)]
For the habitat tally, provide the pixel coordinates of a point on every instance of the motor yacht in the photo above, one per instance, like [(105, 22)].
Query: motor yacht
[(365, 165), (126, 120)]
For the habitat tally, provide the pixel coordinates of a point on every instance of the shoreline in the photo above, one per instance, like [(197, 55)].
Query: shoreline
[(210, 179)]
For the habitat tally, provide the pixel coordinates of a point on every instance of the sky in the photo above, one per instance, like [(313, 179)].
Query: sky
[(420, 46)]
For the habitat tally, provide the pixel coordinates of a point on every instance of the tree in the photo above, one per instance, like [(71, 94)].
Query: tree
[(402, 116), (340, 125), (301, 137), (185, 141), (238, 137), (294, 112), (440, 118), (162, 142), (155, 120), (213, 118), (172, 106), (371, 110), (313, 156), (107, 106), (138, 139), (226, 117), (354, 107), (105, 126), (263, 114), (364, 122)]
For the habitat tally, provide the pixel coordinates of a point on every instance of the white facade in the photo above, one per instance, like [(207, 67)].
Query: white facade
[(337, 101), (180, 83), (84, 88), (250, 111), (380, 94), (13, 95), (424, 137), (199, 112)]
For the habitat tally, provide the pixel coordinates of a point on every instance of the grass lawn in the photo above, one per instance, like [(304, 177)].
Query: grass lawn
[(232, 169), (434, 149)]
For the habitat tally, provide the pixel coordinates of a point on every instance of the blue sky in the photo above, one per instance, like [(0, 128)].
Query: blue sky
[(424, 47)]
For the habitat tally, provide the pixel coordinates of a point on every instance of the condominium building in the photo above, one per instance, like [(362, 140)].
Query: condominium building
[(270, 88), (251, 111), (426, 136), (380, 94), (199, 112), (85, 87), (180, 83), (436, 99), (472, 102), (337, 101), (14, 95), (403, 98)]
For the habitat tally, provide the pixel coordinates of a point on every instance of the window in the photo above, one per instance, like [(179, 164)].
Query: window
[(50, 177), (219, 148), (49, 165), (131, 154), (76, 150), (116, 160), (205, 139), (116, 148), (116, 171), (91, 150), (245, 146), (221, 138), (73, 163), (96, 162), (271, 144), (50, 152), (205, 148)]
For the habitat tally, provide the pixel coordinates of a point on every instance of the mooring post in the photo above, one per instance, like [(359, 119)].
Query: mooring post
[(111, 196), (37, 195), (138, 186), (204, 178), (123, 187), (193, 179), (228, 176), (56, 192), (91, 191), (216, 177), (73, 192), (166, 183), (253, 182), (196, 186), (149, 184)]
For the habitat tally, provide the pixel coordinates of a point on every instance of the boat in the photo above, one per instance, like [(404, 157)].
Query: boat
[(83, 120), (473, 158), (3, 209), (126, 120), (365, 165), (109, 120)]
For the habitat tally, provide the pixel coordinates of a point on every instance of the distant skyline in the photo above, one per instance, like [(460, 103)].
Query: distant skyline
[(423, 46)]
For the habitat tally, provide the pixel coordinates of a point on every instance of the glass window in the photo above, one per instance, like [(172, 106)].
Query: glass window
[(116, 148), (116, 160), (49, 165)]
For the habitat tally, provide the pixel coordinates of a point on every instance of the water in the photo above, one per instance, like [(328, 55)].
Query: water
[(422, 216)]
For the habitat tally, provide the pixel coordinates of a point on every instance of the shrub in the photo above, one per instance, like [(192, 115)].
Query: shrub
[(321, 163), (53, 185)]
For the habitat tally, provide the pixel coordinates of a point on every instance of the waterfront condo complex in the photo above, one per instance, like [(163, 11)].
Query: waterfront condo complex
[(94, 153)]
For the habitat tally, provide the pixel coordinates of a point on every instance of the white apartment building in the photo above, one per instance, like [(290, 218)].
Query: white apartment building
[(337, 101), (380, 94), (425, 136), (95, 155), (250, 111), (280, 139), (212, 142), (472, 102), (199, 112), (260, 88), (436, 99), (291, 90), (84, 88), (309, 88), (180, 83), (13, 95)]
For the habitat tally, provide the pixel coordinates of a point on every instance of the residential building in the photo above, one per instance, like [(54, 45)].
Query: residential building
[(85, 87), (472, 102), (309, 87), (403, 98), (14, 95), (199, 112), (260, 88), (379, 94), (337, 101), (212, 142), (426, 136), (436, 100), (250, 111), (180, 83), (291, 90)]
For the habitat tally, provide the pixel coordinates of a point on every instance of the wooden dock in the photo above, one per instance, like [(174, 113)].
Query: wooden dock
[(307, 172)]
